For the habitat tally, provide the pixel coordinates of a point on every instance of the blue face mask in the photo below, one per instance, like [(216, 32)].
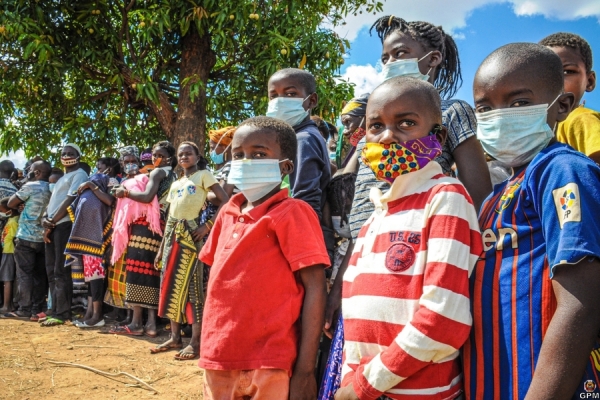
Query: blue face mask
[(288, 109), (332, 156), (218, 158), (131, 169), (405, 67), (255, 178), (51, 187), (514, 136)]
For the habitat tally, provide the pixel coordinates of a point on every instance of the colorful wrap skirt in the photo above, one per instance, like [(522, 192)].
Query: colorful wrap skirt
[(142, 280), (181, 295), (333, 369)]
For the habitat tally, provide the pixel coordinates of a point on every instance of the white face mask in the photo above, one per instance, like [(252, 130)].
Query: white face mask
[(255, 178), (288, 109), (514, 136), (51, 187), (405, 67)]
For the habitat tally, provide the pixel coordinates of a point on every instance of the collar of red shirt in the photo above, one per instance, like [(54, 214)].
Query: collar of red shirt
[(238, 200)]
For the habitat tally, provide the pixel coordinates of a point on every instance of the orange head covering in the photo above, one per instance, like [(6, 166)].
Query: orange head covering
[(225, 135)]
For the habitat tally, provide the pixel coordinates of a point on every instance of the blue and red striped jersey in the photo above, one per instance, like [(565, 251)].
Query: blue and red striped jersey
[(546, 215)]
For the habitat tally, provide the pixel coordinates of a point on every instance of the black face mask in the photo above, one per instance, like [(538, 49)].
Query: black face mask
[(31, 175)]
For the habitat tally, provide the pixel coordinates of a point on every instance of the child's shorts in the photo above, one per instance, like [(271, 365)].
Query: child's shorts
[(256, 384), (7, 268)]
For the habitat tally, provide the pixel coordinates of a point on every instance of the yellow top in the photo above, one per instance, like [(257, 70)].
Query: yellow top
[(8, 235), (581, 130), (188, 194)]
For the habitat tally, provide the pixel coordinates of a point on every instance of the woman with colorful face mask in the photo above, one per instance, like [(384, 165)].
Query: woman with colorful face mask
[(138, 224), (353, 120), (182, 294)]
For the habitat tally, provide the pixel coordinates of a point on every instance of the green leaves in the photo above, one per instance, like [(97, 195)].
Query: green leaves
[(110, 73)]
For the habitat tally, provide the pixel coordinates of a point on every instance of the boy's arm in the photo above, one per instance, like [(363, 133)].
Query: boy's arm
[(571, 334), (443, 321), (308, 171), (303, 384)]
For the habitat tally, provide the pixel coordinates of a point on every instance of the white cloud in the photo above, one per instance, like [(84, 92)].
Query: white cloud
[(453, 15), (18, 158), (365, 77)]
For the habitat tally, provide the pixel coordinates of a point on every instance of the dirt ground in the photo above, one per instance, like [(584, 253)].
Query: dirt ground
[(26, 350)]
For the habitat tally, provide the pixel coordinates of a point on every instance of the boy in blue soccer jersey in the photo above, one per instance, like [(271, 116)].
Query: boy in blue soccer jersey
[(536, 288)]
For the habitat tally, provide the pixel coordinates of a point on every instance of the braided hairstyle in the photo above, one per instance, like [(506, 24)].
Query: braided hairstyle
[(448, 78), (565, 39)]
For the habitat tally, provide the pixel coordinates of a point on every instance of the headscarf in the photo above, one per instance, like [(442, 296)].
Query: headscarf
[(73, 145), (225, 135), (146, 155), (357, 107), (129, 150)]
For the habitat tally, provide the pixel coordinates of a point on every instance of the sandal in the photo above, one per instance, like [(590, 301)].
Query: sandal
[(15, 315), (38, 317), (125, 330), (161, 348), (83, 325), (184, 356), (52, 322)]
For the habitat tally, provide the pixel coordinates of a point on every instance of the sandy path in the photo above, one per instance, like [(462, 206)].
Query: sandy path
[(25, 373)]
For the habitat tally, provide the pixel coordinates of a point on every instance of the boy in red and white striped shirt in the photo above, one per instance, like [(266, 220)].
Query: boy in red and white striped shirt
[(406, 290)]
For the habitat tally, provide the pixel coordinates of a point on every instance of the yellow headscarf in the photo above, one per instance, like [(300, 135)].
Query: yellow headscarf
[(225, 135)]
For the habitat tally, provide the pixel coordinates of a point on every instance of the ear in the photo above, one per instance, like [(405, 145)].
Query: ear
[(442, 135), (435, 59), (313, 100), (564, 105), (591, 82), (286, 167)]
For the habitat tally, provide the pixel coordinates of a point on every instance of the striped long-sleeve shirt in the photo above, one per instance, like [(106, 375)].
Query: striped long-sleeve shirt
[(406, 291)]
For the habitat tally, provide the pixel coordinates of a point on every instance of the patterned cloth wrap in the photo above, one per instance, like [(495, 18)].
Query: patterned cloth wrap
[(181, 294)]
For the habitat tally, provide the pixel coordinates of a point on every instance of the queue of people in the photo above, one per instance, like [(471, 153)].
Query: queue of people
[(431, 250)]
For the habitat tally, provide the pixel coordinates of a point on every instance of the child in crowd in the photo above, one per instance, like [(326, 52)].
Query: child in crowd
[(292, 96), (536, 288), (7, 266), (181, 290), (406, 291), (264, 309), (581, 129), (55, 175), (32, 281)]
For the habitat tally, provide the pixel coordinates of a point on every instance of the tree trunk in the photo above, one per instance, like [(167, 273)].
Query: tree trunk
[(197, 60)]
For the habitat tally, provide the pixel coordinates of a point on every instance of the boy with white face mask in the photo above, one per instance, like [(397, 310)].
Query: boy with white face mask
[(266, 294), (535, 291)]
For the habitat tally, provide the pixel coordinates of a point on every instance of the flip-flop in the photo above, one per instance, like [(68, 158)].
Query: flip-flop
[(15, 315), (150, 335), (52, 322), (124, 330), (83, 325), (161, 349), (181, 356), (39, 316)]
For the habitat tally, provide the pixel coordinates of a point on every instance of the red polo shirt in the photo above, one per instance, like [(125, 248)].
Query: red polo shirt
[(254, 299)]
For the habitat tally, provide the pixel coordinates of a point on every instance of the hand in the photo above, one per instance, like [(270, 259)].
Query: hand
[(119, 192), (47, 236), (84, 186), (303, 387), (200, 233), (334, 302), (46, 223), (157, 261), (346, 393)]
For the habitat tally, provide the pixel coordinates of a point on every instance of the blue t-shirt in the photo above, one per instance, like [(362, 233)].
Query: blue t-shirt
[(36, 196), (545, 216)]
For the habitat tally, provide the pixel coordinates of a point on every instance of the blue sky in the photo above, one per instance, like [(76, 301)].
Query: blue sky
[(478, 28)]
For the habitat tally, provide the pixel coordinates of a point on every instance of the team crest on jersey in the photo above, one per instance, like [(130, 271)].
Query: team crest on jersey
[(567, 202), (399, 257), (507, 196), (589, 386)]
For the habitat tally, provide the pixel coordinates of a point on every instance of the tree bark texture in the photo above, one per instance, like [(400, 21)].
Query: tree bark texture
[(197, 60)]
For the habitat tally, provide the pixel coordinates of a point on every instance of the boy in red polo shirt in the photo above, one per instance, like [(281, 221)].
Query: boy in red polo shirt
[(266, 293)]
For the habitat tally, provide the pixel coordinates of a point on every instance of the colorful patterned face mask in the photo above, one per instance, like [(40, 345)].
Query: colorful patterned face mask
[(389, 161), (358, 134)]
